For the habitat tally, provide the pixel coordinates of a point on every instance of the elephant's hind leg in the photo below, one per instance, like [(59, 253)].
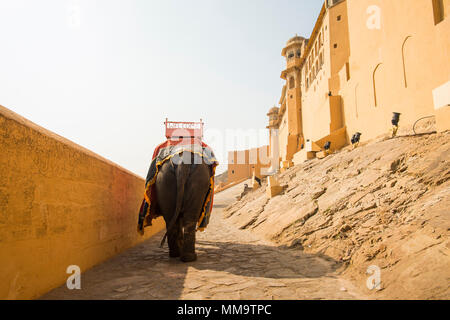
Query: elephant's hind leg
[(175, 240), (194, 195), (166, 191), (188, 251)]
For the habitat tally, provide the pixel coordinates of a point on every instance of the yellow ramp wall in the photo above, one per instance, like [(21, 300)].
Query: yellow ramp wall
[(60, 205)]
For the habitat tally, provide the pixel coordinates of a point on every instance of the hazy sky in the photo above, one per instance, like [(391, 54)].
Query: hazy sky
[(106, 73)]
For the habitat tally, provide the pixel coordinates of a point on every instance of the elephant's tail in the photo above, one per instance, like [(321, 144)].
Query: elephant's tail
[(182, 173)]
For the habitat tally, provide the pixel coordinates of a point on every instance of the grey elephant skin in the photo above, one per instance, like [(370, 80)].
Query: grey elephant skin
[(181, 190)]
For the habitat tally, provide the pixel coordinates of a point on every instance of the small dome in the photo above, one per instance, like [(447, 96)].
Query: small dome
[(297, 39), (274, 110)]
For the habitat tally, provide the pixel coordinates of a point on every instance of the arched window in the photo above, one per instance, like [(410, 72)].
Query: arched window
[(375, 85), (291, 83), (403, 59)]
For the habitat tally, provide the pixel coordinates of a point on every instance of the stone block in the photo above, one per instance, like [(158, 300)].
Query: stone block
[(273, 187), (321, 154)]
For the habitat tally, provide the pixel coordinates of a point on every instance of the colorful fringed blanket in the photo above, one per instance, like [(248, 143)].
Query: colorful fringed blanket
[(164, 152)]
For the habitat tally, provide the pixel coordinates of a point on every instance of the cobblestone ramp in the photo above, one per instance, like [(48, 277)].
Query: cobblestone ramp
[(232, 264)]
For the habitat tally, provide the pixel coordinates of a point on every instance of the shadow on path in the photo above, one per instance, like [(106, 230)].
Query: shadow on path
[(232, 264), (146, 271)]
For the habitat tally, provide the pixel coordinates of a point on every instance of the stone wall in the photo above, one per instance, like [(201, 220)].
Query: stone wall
[(60, 205)]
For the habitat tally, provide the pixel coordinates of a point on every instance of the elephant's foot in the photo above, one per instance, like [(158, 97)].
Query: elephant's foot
[(189, 257), (174, 253)]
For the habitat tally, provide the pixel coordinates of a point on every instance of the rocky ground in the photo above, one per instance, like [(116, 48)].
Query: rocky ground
[(232, 264), (384, 204)]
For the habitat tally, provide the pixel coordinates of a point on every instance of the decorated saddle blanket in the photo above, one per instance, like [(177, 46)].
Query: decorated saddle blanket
[(164, 152)]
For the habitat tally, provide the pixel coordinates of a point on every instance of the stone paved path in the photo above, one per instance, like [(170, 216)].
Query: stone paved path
[(233, 264)]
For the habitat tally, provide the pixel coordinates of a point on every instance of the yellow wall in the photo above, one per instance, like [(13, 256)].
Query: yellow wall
[(322, 114), (238, 167), (283, 136), (337, 19), (242, 164), (401, 66), (60, 205), (408, 37)]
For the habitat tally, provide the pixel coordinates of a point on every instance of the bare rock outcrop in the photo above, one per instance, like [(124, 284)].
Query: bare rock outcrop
[(385, 204)]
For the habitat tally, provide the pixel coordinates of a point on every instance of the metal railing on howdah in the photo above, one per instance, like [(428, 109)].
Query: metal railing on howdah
[(178, 129)]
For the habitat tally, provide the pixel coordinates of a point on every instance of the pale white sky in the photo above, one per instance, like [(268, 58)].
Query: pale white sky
[(106, 73)]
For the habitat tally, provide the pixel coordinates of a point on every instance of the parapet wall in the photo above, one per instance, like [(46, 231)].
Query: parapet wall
[(60, 205)]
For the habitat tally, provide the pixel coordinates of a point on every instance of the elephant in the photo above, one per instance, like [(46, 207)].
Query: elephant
[(181, 190)]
